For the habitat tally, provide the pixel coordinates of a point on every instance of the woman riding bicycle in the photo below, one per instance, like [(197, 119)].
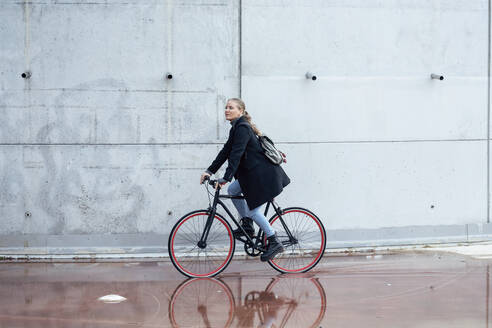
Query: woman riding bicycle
[(258, 179)]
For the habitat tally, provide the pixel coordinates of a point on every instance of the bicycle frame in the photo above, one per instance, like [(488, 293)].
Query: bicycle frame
[(259, 237)]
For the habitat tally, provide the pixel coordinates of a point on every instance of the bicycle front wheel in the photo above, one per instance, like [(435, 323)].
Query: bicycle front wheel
[(193, 261), (310, 234)]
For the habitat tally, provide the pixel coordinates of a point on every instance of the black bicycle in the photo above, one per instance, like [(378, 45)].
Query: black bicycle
[(202, 244)]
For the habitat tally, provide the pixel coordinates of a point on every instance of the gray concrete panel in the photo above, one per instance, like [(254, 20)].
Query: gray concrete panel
[(58, 190), (364, 38), (367, 109), (81, 42), (94, 116), (378, 185), (138, 43), (99, 72)]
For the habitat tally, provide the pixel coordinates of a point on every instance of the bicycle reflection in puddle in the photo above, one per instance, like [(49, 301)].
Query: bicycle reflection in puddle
[(286, 301)]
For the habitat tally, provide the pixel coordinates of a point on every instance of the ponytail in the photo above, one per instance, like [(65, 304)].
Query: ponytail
[(255, 129)]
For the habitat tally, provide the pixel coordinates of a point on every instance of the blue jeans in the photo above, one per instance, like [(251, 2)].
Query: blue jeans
[(234, 189)]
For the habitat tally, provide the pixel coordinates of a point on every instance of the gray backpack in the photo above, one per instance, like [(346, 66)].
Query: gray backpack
[(273, 154)]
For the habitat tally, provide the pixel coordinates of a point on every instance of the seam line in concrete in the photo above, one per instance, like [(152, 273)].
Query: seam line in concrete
[(364, 77), (379, 141), (488, 115), (114, 90), (221, 143), (240, 27), (106, 3), (111, 144)]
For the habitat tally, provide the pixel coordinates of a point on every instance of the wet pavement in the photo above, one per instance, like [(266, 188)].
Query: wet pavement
[(402, 290)]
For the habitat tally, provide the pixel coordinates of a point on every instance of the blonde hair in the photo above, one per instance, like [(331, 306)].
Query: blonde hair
[(246, 115)]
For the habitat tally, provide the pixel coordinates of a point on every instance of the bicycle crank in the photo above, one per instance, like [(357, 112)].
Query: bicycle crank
[(250, 249)]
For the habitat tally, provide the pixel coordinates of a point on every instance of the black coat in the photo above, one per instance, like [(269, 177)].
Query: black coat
[(260, 179)]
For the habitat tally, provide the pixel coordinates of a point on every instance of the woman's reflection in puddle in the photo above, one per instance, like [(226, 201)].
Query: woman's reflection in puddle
[(286, 301)]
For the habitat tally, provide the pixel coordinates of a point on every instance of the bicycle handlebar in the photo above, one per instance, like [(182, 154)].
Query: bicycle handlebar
[(210, 182)]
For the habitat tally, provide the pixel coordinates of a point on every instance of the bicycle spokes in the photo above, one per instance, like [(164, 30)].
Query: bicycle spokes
[(304, 245), (211, 258)]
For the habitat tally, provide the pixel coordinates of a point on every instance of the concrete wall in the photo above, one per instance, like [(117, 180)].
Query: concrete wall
[(379, 148), (100, 153)]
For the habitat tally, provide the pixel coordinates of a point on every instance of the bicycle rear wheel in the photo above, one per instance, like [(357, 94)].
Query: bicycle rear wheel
[(307, 228), (193, 261)]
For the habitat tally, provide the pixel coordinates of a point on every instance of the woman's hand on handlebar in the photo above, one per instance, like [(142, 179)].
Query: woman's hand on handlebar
[(221, 182), (204, 177)]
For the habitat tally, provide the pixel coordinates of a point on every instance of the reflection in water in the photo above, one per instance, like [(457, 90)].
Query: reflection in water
[(415, 290), (287, 301), (197, 300)]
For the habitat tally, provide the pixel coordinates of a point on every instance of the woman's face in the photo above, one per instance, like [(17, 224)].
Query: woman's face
[(232, 111)]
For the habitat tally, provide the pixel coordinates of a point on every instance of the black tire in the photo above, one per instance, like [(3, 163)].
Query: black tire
[(193, 261), (307, 228)]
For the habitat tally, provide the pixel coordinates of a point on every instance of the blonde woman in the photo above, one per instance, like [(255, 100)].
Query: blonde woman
[(258, 179)]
